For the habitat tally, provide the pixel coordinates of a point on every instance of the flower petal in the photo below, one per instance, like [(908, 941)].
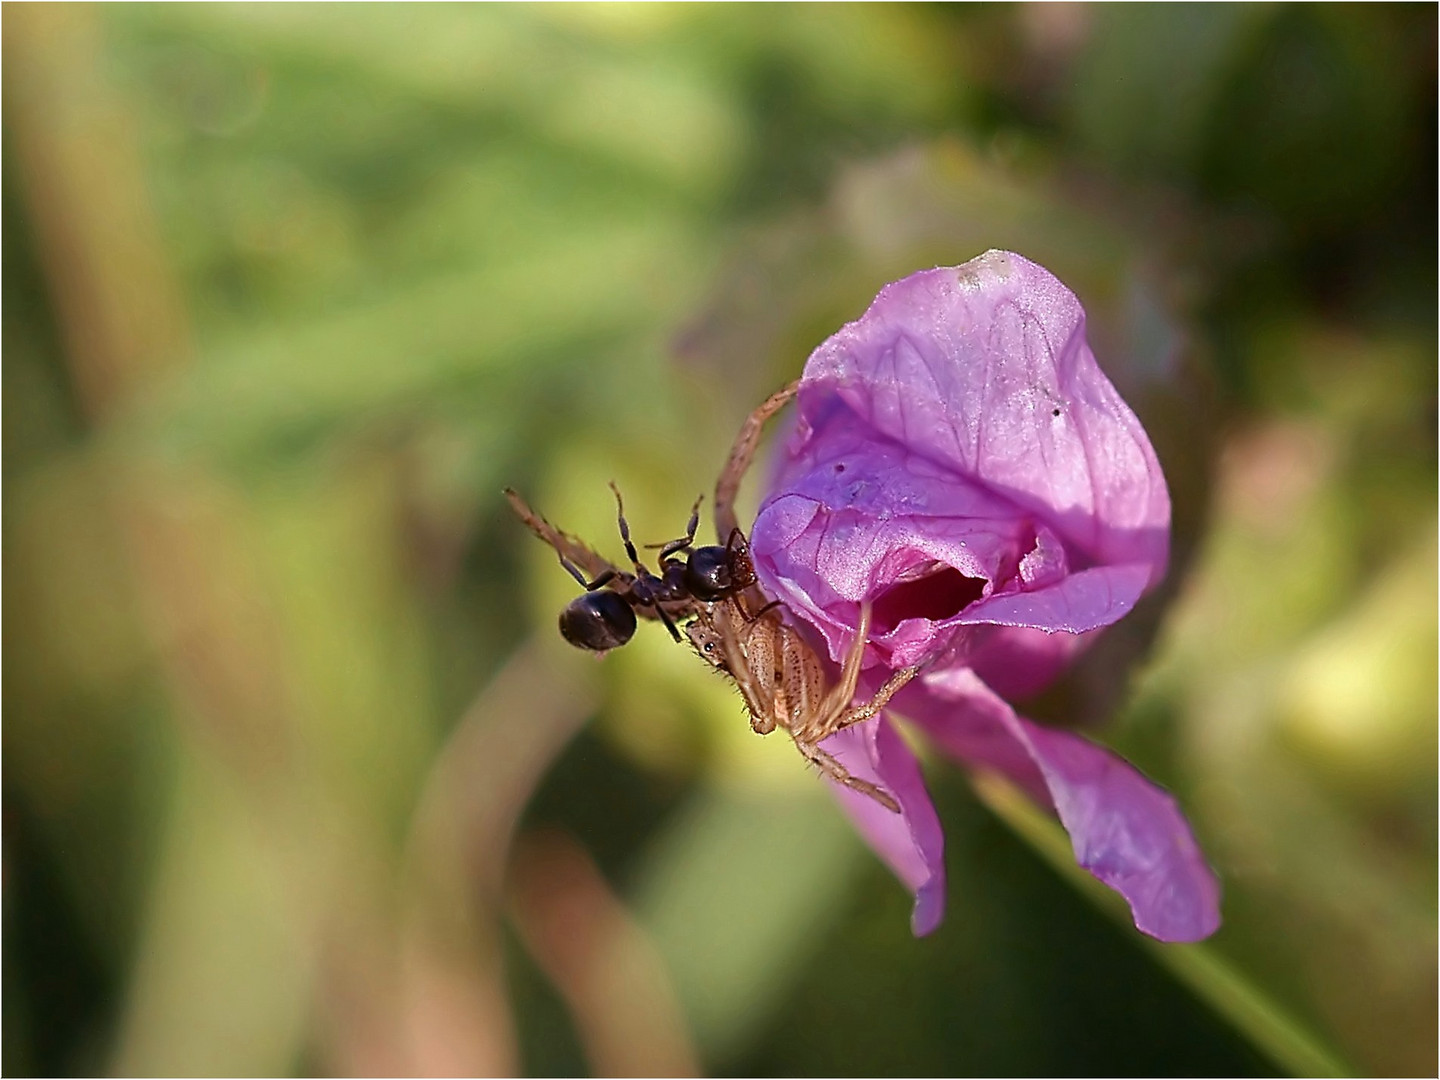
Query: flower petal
[(911, 842), (1125, 830), (1019, 661), (984, 368), (1085, 601), (960, 459)]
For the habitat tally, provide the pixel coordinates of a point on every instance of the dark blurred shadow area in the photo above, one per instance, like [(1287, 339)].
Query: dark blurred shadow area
[(298, 776)]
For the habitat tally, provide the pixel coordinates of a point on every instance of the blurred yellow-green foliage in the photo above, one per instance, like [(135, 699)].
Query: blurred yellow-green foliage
[(298, 777)]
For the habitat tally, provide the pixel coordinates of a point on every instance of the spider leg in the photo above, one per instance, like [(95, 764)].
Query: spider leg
[(591, 563), (860, 713), (840, 696), (832, 768), (837, 711), (741, 454), (771, 606), (753, 674)]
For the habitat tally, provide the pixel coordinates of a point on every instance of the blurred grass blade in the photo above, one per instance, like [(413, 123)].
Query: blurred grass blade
[(737, 910), (1200, 967)]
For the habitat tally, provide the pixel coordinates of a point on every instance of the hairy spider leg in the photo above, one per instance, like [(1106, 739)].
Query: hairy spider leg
[(591, 562), (771, 606), (838, 713), (821, 723), (831, 767), (737, 659), (741, 454)]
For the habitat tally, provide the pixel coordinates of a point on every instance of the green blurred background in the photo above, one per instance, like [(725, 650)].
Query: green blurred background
[(298, 776)]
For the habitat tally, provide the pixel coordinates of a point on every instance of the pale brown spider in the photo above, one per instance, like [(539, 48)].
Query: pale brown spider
[(726, 615), (783, 682), (779, 675)]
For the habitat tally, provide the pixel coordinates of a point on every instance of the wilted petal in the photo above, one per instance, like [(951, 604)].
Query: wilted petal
[(911, 842), (1125, 830)]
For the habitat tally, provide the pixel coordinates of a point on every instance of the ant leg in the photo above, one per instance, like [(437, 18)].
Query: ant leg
[(604, 579), (574, 572), (642, 590), (741, 454), (666, 620), (832, 768), (671, 547)]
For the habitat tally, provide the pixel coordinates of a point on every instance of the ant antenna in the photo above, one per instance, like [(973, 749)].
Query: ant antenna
[(625, 532), (643, 587), (670, 547)]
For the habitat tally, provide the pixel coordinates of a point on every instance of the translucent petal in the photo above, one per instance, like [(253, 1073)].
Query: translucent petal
[(1125, 830), (960, 460), (911, 842)]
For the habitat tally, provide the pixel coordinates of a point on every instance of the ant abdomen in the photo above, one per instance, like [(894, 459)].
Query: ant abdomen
[(598, 620)]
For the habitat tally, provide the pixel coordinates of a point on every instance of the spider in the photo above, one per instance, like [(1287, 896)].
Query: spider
[(779, 675), (716, 595)]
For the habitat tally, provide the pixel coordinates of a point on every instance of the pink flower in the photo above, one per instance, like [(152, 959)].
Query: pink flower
[(960, 460)]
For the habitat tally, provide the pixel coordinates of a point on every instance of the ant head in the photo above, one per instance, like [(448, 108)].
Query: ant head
[(714, 572), (599, 620)]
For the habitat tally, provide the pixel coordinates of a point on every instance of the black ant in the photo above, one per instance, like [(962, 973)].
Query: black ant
[(711, 572), (604, 616)]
